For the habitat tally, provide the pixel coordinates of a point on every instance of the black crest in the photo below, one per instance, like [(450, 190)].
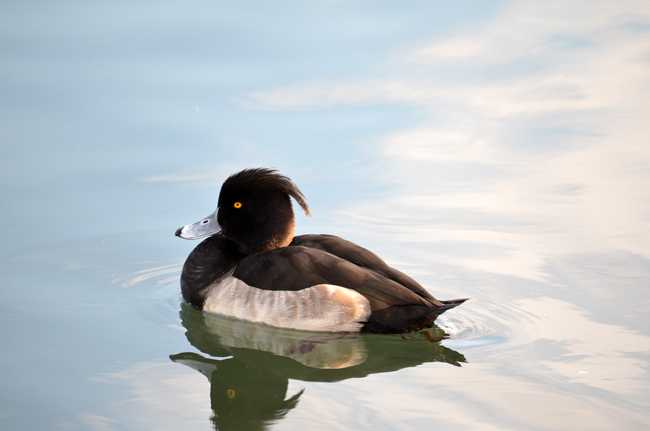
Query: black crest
[(262, 179)]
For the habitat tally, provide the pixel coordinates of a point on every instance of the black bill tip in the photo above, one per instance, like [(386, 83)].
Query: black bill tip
[(178, 232)]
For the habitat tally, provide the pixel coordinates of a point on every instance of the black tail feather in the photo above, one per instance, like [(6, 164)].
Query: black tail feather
[(449, 304), (408, 317)]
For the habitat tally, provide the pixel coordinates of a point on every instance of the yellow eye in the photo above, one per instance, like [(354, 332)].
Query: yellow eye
[(237, 205), (231, 393)]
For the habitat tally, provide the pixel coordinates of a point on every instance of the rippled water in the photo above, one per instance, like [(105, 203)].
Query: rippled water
[(496, 151)]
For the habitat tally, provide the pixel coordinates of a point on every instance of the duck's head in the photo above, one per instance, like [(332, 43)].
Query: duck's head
[(254, 211)]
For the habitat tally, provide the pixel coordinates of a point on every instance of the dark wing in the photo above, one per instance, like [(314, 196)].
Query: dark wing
[(360, 256), (297, 267)]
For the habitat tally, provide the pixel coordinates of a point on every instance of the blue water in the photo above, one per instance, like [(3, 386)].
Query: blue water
[(495, 150)]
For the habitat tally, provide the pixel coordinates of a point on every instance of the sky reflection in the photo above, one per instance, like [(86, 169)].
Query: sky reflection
[(495, 149), (554, 153)]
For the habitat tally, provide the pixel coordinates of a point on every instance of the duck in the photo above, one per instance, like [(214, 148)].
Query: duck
[(252, 266)]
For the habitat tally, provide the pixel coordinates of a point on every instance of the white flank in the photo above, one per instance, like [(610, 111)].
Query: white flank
[(323, 307)]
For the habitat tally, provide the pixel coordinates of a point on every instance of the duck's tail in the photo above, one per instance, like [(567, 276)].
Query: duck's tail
[(449, 304)]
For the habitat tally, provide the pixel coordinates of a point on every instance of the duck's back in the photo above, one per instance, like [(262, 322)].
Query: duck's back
[(392, 317), (360, 256)]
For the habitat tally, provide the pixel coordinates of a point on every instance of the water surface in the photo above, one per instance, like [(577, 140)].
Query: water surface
[(495, 150)]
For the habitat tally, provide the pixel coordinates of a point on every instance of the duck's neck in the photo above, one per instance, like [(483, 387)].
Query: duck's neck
[(276, 232), (281, 239)]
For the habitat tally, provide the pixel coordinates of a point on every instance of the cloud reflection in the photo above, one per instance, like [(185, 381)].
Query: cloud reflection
[(537, 117)]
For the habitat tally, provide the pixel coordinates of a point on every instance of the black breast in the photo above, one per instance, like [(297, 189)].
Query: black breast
[(209, 260)]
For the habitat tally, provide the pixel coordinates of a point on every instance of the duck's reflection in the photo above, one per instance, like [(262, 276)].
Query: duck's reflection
[(251, 364)]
